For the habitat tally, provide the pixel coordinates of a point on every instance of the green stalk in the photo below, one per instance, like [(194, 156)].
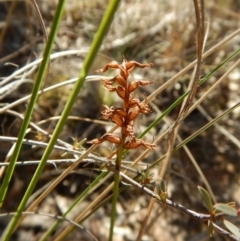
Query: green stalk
[(102, 31), (40, 75), (42, 69), (205, 127), (120, 152)]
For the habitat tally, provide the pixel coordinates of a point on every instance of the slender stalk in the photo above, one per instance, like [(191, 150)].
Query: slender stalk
[(120, 152), (40, 76), (114, 204), (43, 67)]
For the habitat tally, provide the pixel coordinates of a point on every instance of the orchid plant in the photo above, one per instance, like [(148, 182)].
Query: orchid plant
[(123, 117)]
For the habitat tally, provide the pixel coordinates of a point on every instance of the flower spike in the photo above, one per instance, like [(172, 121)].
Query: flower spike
[(132, 107)]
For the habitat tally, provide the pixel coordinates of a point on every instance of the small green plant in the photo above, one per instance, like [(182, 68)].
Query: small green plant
[(218, 211)]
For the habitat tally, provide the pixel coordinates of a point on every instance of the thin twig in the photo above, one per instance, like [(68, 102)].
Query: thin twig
[(199, 216)]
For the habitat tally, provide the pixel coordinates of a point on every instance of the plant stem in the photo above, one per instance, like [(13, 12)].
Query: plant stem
[(6, 234), (120, 152)]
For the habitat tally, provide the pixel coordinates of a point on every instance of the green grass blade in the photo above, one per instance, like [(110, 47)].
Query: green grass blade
[(188, 139), (102, 31), (205, 127), (166, 112), (7, 233), (206, 77), (27, 117)]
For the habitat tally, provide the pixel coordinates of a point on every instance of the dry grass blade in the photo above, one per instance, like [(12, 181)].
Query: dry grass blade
[(172, 80), (199, 13), (52, 87)]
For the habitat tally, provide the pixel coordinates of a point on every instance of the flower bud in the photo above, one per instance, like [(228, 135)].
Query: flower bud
[(118, 120), (132, 86), (121, 112), (121, 92), (133, 113), (120, 80), (111, 138)]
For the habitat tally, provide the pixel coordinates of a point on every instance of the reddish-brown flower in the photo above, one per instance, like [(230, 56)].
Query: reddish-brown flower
[(132, 107)]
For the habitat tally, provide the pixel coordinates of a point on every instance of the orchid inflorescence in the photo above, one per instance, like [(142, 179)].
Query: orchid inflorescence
[(132, 107)]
